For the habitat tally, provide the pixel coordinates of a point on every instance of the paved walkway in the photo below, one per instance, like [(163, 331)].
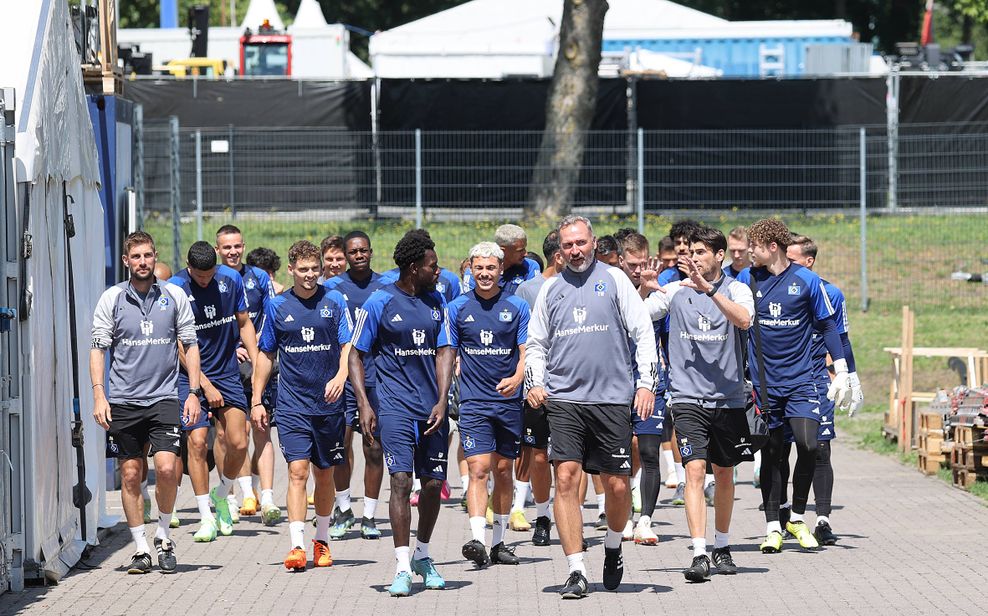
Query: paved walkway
[(910, 544)]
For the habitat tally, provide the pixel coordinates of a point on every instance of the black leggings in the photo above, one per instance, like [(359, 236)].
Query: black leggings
[(773, 458), (648, 450), (823, 478)]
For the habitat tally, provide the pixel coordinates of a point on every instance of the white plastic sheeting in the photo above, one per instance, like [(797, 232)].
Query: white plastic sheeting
[(56, 153), (645, 61), (497, 38)]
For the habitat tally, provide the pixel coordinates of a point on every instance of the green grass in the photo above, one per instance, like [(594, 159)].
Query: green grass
[(910, 259)]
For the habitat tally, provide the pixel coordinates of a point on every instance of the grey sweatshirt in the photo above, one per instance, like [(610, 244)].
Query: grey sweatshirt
[(706, 359), (578, 338), (141, 336)]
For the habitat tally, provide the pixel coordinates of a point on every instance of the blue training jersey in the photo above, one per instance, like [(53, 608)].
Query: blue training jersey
[(403, 331), (215, 308), (448, 284), (486, 333), (258, 287), (356, 293), (836, 297), (308, 335), (510, 278), (789, 306)]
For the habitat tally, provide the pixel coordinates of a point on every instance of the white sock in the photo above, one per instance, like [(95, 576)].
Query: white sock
[(202, 501), (267, 497), (821, 519), (636, 480), (421, 550), (521, 493), (416, 485), (245, 486), (773, 527), (680, 473), (297, 532), (343, 500), (795, 517), (404, 564), (600, 502), (668, 461), (478, 524), (322, 528), (255, 483), (500, 523), (758, 459), (645, 521), (721, 540), (231, 500), (575, 562), (164, 519), (140, 539), (707, 480), (465, 482), (613, 538), (785, 505), (144, 491), (699, 546), (370, 507), (226, 484), (544, 510)]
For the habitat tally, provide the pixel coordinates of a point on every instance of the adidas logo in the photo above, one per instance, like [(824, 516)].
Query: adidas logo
[(289, 319), (396, 318), (746, 452), (625, 464), (439, 469), (826, 432), (469, 319), (338, 456)]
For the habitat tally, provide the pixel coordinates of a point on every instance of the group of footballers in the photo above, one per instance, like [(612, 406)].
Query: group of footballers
[(586, 368)]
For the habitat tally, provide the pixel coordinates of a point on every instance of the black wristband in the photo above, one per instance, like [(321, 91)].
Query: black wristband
[(716, 285), (258, 404)]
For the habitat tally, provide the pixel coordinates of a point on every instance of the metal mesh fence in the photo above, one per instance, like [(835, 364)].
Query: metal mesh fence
[(925, 192)]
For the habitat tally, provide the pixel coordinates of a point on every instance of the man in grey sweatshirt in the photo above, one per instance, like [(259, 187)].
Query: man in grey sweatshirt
[(588, 312), (140, 322)]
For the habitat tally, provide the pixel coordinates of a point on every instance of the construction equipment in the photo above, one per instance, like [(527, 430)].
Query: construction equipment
[(267, 53)]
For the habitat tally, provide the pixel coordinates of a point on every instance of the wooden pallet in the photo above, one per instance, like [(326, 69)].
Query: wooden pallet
[(973, 458), (930, 421), (931, 441), (930, 464), (963, 478), (966, 436)]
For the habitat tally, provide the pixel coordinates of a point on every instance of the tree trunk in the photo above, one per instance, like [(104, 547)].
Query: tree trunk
[(569, 110)]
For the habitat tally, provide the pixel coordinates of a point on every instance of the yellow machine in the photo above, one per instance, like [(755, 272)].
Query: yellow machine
[(209, 68)]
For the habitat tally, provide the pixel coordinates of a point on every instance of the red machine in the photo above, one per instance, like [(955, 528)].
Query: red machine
[(268, 53)]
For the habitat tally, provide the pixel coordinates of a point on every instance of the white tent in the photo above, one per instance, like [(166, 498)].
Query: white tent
[(645, 61), (56, 156), (498, 38), (258, 11), (309, 15)]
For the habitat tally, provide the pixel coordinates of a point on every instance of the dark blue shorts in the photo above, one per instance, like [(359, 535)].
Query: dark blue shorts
[(317, 438), (350, 408), (827, 431), (487, 427), (408, 450), (801, 400), (653, 425), (230, 388)]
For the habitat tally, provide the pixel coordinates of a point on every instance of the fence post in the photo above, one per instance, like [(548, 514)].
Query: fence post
[(176, 192), (640, 193), (418, 178), (892, 132), (198, 184), (863, 197), (229, 156), (138, 170)]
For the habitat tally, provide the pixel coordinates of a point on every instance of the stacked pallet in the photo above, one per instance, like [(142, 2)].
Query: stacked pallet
[(931, 442), (969, 454)]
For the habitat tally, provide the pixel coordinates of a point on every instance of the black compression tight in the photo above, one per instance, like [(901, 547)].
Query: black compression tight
[(773, 459), (823, 479), (648, 450)]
